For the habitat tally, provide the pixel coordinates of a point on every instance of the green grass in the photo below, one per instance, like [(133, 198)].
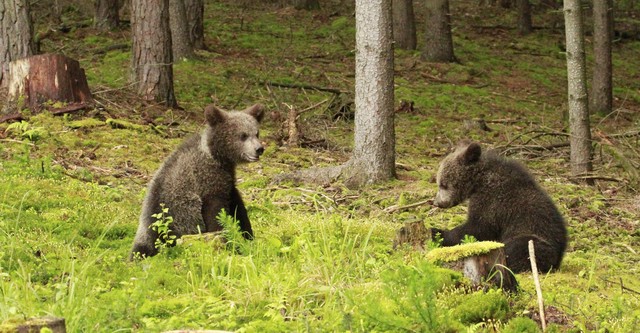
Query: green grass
[(71, 190)]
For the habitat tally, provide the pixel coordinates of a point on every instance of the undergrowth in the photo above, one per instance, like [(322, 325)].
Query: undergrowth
[(322, 261)]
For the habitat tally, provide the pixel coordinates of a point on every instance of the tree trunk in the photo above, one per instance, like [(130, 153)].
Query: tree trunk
[(195, 20), (580, 138), (180, 39), (404, 25), (373, 158), (602, 88), (106, 16), (525, 26), (306, 4), (16, 33), (152, 70), (438, 46)]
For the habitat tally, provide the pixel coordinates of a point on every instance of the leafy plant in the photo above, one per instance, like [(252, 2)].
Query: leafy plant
[(26, 131), (467, 239), (162, 227)]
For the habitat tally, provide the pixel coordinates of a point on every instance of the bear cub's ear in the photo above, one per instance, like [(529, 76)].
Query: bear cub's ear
[(256, 111), (214, 115), (471, 153)]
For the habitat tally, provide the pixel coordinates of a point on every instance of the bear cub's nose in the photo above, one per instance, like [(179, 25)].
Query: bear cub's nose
[(259, 151)]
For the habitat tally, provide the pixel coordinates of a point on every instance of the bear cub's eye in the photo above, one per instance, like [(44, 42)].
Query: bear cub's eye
[(244, 136), (443, 186)]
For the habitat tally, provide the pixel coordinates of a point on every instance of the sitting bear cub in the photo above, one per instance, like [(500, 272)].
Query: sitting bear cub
[(505, 204), (198, 180)]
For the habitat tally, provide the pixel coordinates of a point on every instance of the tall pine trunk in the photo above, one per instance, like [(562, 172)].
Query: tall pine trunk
[(602, 86), (180, 40), (195, 21), (579, 127), (438, 46), (373, 158), (152, 70), (16, 33), (404, 25), (525, 26), (106, 15)]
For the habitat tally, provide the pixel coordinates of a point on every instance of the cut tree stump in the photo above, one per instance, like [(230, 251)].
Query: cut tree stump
[(48, 78), (480, 262), (35, 325), (414, 234)]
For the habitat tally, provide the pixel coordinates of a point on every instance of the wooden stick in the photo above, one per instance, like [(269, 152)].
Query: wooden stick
[(536, 280)]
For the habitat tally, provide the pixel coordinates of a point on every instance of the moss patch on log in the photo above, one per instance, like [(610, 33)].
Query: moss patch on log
[(455, 253)]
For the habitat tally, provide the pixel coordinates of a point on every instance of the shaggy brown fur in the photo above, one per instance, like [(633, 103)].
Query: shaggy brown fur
[(505, 204), (198, 180)]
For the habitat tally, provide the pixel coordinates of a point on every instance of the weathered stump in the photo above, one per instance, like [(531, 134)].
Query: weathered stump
[(480, 262), (35, 325), (414, 234), (48, 78)]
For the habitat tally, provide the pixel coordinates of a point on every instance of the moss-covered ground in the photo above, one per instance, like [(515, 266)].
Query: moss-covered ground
[(71, 186)]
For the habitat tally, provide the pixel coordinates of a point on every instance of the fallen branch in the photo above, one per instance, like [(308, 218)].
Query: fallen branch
[(18, 141), (69, 108), (596, 177), (533, 147), (536, 280), (395, 208), (112, 48), (622, 286), (11, 117), (302, 86), (625, 135)]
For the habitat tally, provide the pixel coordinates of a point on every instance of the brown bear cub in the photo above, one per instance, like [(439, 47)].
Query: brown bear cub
[(505, 205), (198, 180)]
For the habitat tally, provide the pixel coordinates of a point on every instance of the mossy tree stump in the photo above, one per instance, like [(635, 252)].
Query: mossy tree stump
[(480, 262)]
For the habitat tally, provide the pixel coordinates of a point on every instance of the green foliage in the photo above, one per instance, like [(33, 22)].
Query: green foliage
[(26, 131), (406, 300), (482, 306), (521, 325), (162, 226)]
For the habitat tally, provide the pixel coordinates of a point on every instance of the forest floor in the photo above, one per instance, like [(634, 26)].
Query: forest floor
[(71, 186)]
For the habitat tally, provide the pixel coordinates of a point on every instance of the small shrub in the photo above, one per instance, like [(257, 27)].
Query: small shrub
[(521, 325), (481, 306), (161, 226)]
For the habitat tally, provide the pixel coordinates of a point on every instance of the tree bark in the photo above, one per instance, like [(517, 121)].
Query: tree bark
[(48, 77), (180, 39), (106, 16), (195, 20), (152, 70), (16, 33), (525, 26), (373, 158), (306, 4), (438, 46), (578, 101), (602, 88), (404, 25)]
